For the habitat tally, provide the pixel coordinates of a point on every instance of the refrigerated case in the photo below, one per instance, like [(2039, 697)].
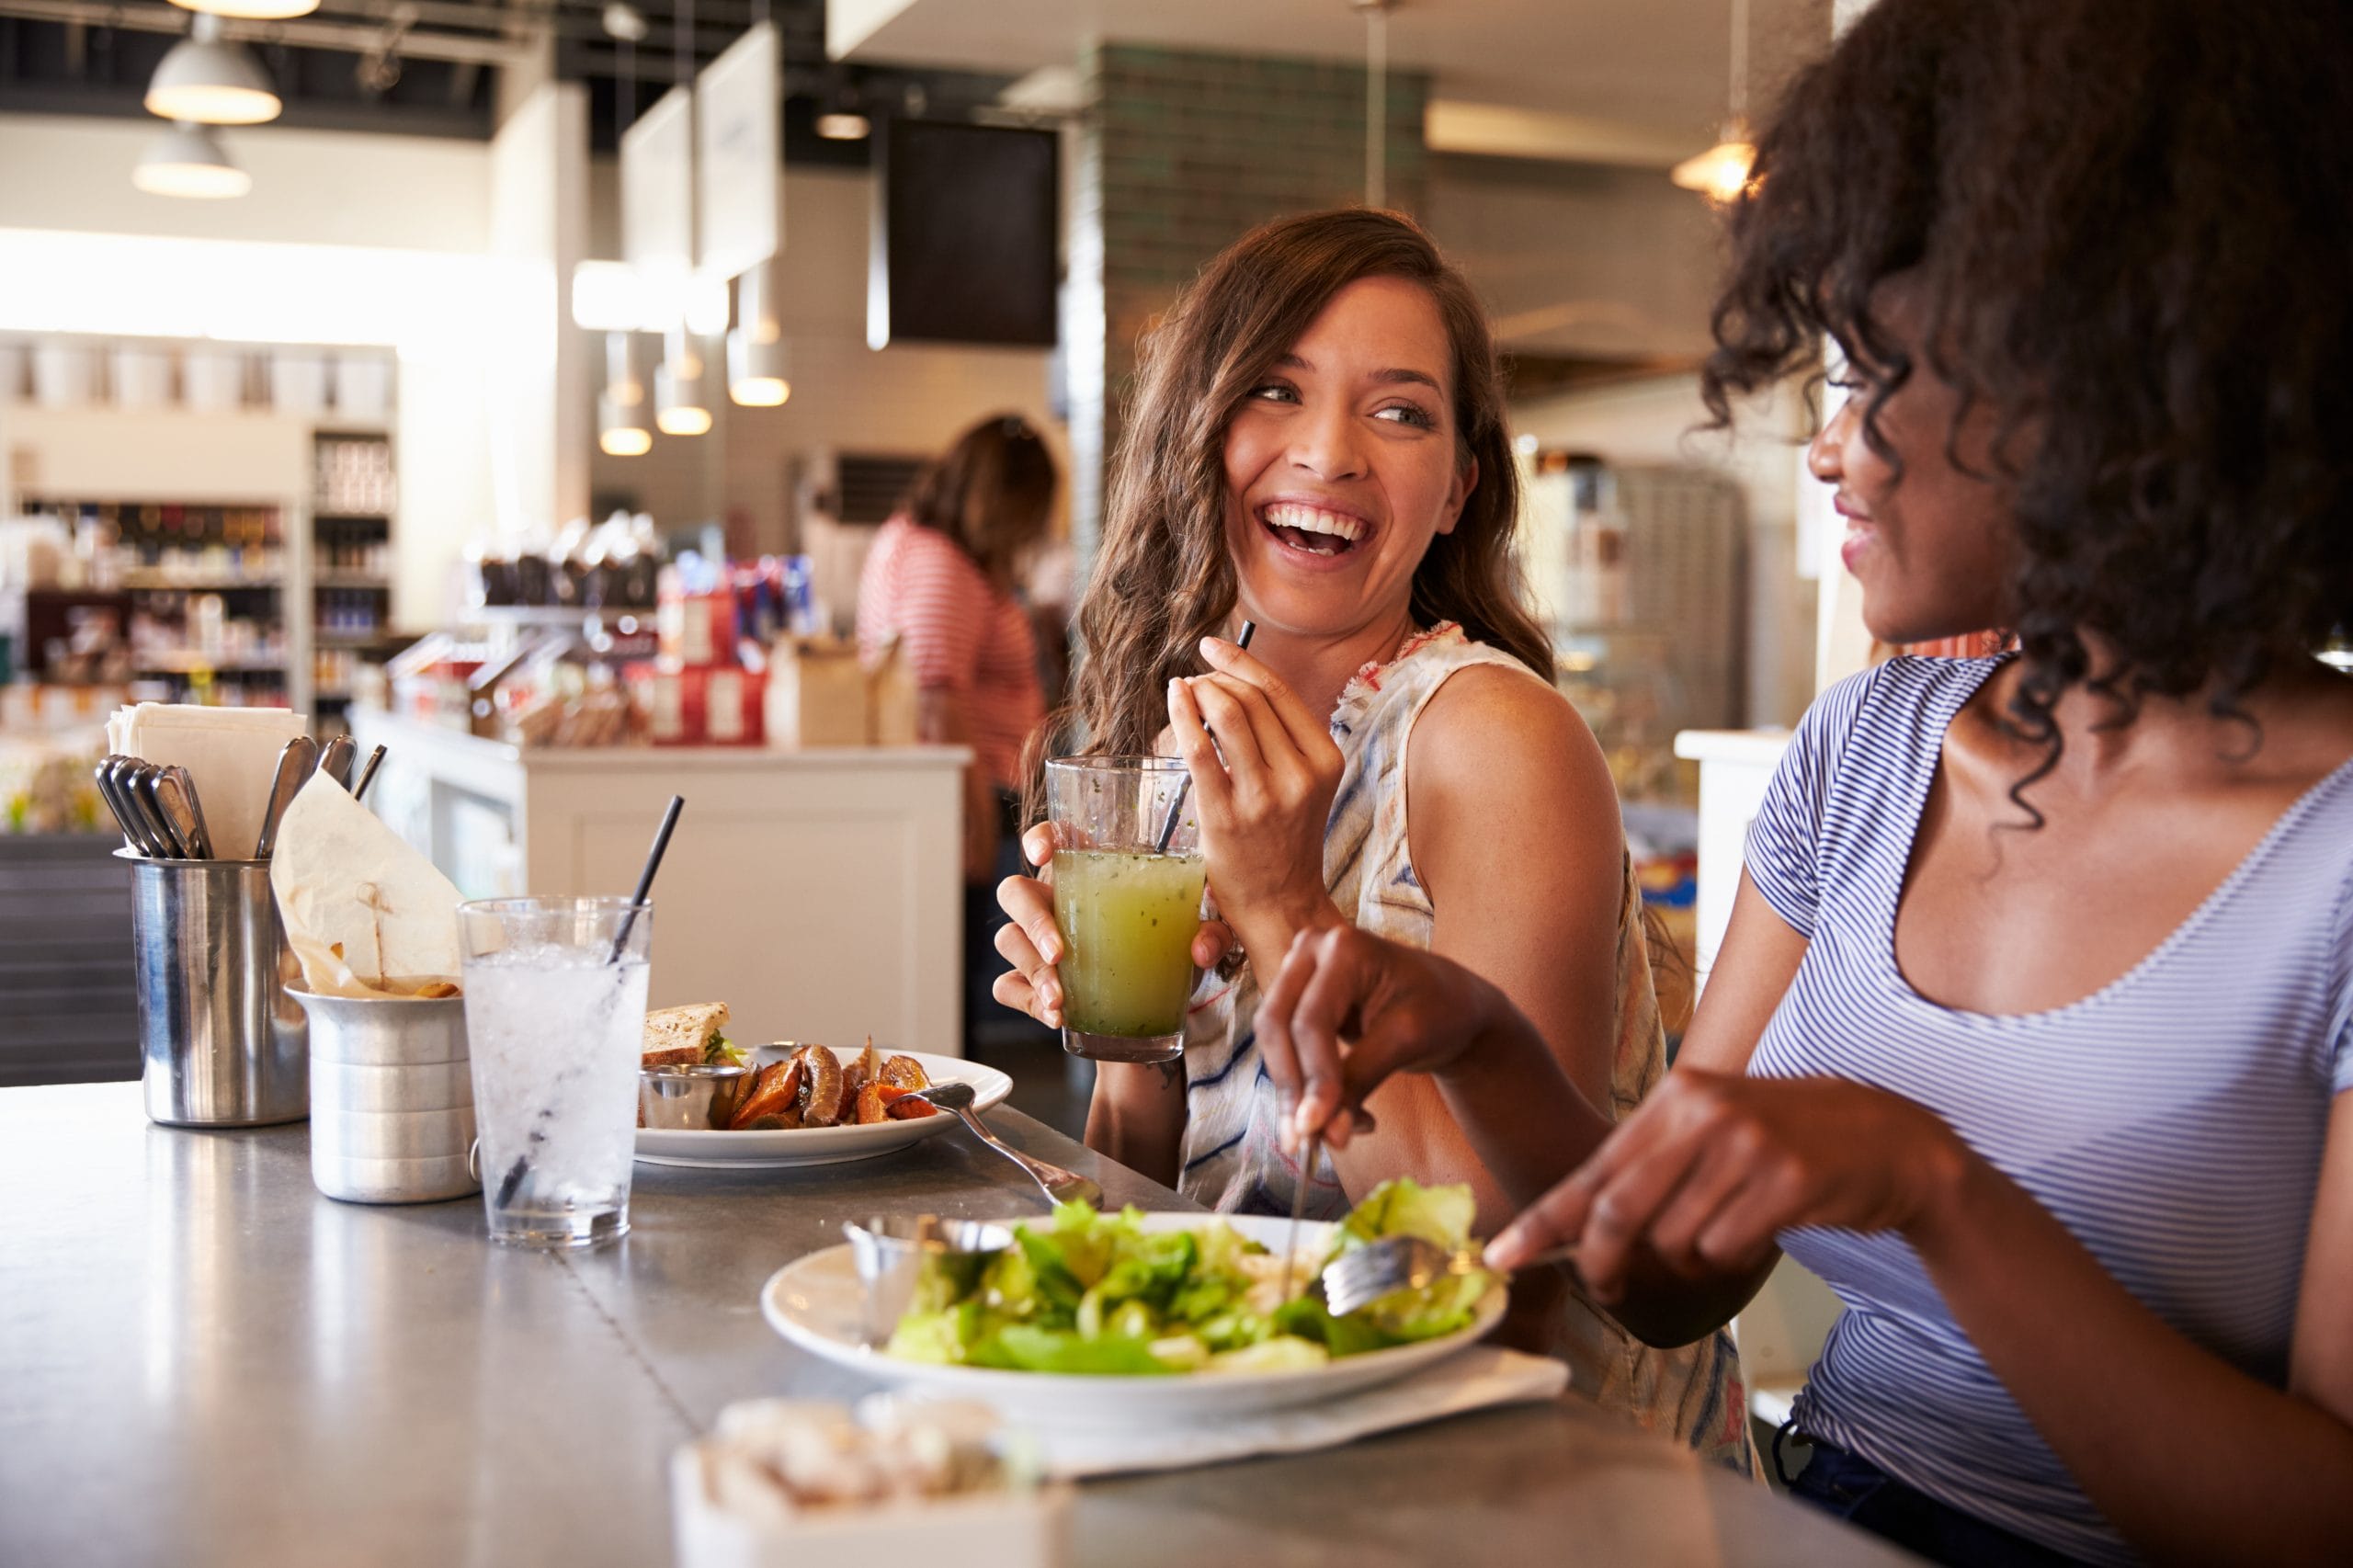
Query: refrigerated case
[(1639, 572)]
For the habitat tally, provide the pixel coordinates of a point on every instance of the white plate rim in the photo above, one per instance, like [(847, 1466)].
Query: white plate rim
[(696, 1149), (1249, 1389)]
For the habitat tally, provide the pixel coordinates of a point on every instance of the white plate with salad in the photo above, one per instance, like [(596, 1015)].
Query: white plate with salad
[(1121, 1318)]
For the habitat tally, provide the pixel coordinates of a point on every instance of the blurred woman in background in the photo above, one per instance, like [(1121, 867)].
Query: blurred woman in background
[(940, 581)]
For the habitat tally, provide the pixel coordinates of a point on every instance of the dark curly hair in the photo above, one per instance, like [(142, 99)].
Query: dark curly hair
[(2127, 226)]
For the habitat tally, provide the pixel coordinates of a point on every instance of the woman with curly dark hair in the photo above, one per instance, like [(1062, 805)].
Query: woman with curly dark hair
[(2032, 1031)]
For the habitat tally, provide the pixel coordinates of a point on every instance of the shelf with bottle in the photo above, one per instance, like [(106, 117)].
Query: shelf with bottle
[(352, 475), (357, 548), (164, 545)]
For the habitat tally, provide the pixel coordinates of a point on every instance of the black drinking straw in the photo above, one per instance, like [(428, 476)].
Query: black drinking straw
[(1185, 788), (645, 878), (513, 1181)]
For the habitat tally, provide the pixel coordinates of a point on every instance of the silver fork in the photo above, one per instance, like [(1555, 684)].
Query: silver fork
[(1359, 1279), (1059, 1185)]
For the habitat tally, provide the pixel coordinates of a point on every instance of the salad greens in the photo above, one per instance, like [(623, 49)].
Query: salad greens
[(1099, 1293)]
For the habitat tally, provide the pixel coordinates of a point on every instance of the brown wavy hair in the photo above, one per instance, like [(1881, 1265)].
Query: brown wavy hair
[(993, 492), (2128, 226), (1163, 578)]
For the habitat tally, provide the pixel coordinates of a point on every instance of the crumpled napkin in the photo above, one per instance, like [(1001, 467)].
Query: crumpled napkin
[(366, 914)]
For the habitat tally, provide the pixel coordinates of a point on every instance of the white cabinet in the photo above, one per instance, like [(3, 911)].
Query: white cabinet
[(817, 892)]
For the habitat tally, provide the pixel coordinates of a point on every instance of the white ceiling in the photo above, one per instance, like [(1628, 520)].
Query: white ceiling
[(1654, 68)]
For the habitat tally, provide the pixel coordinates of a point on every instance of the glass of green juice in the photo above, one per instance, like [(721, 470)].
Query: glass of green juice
[(1127, 901)]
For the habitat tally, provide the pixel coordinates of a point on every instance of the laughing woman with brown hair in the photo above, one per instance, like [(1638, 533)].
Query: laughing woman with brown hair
[(1318, 447)]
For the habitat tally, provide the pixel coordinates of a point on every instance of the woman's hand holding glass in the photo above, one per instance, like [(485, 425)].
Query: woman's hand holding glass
[(1032, 944), (1262, 790)]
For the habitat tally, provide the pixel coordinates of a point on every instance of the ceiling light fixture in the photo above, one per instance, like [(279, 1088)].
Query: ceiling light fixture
[(252, 10), (188, 160), (622, 432), (210, 81), (680, 408), (1722, 173), (621, 427), (758, 374)]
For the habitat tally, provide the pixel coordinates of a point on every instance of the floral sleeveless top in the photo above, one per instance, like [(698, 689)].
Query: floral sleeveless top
[(1233, 1160)]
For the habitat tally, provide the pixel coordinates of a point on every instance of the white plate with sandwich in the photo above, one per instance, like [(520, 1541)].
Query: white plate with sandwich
[(703, 1102)]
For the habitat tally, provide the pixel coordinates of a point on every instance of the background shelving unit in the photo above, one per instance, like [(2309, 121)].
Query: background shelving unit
[(354, 498), (324, 478)]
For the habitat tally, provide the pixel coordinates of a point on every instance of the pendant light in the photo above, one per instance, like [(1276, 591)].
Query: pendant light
[(213, 82), (1721, 173), (188, 160), (757, 374), (252, 10), (679, 407), (621, 427)]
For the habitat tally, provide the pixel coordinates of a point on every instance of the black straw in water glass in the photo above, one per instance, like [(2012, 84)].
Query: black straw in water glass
[(645, 878), (1185, 785), (515, 1174)]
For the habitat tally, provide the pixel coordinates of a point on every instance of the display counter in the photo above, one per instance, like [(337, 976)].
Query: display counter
[(817, 892)]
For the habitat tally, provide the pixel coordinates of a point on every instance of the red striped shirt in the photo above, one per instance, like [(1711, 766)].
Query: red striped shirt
[(962, 634)]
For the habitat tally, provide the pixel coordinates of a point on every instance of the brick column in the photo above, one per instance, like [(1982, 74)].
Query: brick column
[(1178, 155)]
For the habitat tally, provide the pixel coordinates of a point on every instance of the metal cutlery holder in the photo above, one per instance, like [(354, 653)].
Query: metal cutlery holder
[(392, 1098), (222, 1042)]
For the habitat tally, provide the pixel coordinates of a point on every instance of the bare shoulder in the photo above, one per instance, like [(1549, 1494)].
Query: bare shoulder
[(1496, 739)]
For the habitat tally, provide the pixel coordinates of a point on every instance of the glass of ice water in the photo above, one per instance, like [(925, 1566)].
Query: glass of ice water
[(555, 1018)]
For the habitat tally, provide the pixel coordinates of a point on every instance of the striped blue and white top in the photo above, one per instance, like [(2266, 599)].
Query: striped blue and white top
[(2173, 1120)]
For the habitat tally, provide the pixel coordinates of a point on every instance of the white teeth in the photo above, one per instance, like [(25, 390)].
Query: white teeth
[(1313, 520)]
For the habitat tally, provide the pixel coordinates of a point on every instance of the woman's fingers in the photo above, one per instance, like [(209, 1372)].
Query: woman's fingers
[(1308, 732), (1037, 844), (1222, 715), (1030, 904), (1043, 985), (1269, 738), (1210, 944), (1627, 1202), (1211, 790)]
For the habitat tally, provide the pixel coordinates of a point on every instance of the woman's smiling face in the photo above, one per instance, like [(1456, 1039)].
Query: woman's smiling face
[(1343, 462)]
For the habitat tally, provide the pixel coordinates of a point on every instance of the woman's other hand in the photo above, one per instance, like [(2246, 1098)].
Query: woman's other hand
[(1713, 1166), (1263, 810), (1032, 944), (1346, 1011)]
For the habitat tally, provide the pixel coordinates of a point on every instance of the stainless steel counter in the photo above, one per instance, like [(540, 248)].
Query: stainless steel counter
[(203, 1360)]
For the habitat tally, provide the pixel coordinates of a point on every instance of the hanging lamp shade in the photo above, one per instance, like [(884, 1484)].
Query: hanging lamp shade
[(188, 160), (622, 427), (1721, 173), (210, 81), (680, 407), (252, 10), (757, 365)]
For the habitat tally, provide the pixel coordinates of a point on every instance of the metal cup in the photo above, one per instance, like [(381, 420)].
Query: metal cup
[(890, 1253), (697, 1098), (391, 1097), (223, 1044)]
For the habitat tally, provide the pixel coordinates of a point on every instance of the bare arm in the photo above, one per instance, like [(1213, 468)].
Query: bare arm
[(943, 718), (1137, 1116), (2113, 1389), (1676, 1305), (1514, 836)]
